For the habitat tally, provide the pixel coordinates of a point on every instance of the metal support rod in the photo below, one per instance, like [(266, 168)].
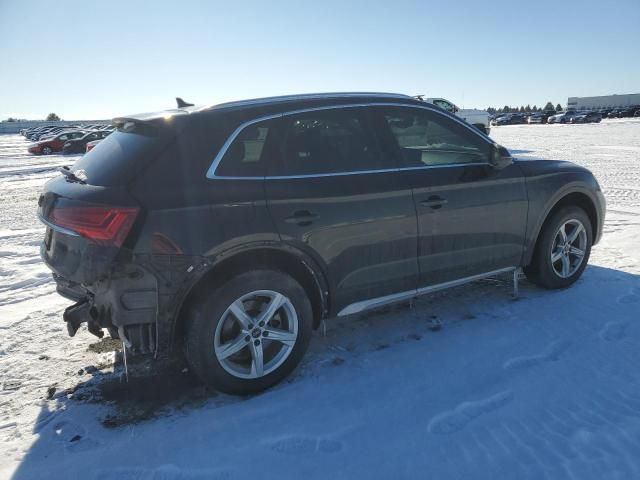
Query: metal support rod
[(516, 279), (125, 344), (124, 356)]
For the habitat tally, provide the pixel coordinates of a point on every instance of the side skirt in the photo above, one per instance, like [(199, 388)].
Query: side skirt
[(364, 305)]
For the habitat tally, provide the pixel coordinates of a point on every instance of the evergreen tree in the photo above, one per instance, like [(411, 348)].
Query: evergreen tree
[(527, 108), (52, 117), (549, 106), (558, 108)]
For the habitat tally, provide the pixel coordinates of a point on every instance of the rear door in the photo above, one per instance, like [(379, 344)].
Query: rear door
[(334, 193), (471, 216)]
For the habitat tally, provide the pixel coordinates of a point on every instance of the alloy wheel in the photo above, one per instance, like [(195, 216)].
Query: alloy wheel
[(256, 334), (568, 248)]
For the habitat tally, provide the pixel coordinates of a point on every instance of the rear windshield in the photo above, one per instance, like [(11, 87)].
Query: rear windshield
[(118, 157)]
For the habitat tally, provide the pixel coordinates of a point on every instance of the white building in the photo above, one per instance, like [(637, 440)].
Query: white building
[(606, 101)]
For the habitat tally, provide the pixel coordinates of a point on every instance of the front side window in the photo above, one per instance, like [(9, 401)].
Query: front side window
[(427, 138), (244, 157), (328, 141)]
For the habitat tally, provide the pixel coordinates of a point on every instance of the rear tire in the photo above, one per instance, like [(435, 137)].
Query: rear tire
[(562, 250), (250, 333)]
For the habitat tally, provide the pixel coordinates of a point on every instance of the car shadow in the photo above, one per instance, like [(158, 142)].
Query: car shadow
[(101, 409)]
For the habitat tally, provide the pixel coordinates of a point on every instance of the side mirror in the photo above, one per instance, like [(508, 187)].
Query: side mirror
[(500, 157)]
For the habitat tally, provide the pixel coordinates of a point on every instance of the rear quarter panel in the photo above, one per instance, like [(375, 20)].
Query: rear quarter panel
[(199, 216)]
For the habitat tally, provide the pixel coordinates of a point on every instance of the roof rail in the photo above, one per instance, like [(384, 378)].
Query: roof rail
[(306, 96)]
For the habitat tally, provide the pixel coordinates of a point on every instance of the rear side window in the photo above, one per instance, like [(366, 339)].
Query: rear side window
[(426, 138), (328, 141), (245, 156), (116, 158)]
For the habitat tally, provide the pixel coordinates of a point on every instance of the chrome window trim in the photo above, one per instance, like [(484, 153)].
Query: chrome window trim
[(223, 150), (364, 305), (57, 228), (225, 146)]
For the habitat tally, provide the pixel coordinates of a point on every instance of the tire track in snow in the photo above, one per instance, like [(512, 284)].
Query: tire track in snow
[(550, 354), (456, 419)]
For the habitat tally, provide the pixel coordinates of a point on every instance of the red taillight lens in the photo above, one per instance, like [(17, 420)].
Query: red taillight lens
[(103, 225)]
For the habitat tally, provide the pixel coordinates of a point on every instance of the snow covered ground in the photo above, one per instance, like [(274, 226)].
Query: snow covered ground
[(543, 387)]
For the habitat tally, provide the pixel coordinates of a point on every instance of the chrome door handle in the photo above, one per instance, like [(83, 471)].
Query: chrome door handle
[(301, 217), (434, 202)]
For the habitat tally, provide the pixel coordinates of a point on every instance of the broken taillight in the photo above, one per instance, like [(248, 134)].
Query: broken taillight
[(107, 226)]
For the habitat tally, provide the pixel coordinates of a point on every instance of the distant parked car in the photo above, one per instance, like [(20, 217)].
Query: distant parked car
[(637, 114), (54, 144), (564, 117), (537, 117), (540, 117), (52, 132), (510, 119), (473, 116), (50, 135), (37, 132), (79, 145), (587, 117), (628, 112), (92, 145)]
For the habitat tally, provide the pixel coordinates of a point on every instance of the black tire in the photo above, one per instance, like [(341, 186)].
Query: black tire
[(46, 150), (541, 269), (206, 312)]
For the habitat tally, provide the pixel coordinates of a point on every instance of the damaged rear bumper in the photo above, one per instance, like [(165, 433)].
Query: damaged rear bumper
[(138, 303)]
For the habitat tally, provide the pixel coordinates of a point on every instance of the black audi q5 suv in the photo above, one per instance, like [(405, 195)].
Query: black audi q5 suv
[(230, 232)]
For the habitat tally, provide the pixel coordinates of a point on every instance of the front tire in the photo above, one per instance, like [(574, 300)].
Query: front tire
[(250, 333), (563, 249), (47, 151)]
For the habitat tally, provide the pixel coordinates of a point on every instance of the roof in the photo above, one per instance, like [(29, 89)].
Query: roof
[(271, 104)]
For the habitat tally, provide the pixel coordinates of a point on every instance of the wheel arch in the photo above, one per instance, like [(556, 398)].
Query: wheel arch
[(281, 258), (575, 197)]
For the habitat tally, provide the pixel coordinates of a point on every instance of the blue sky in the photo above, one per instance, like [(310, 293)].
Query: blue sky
[(98, 59)]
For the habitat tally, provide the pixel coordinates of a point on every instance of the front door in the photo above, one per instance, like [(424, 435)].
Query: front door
[(471, 216), (333, 193)]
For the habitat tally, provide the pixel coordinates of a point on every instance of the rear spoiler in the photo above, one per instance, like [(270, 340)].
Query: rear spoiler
[(146, 120)]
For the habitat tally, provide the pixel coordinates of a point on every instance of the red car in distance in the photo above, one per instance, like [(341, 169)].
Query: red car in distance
[(54, 144)]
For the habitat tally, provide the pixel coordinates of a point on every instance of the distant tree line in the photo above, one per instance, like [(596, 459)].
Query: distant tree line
[(52, 117), (523, 109)]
